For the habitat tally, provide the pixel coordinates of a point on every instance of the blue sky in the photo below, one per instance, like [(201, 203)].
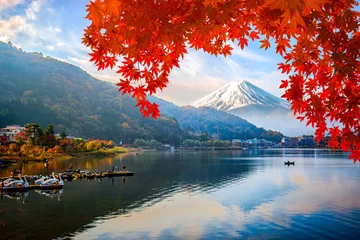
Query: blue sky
[(55, 28)]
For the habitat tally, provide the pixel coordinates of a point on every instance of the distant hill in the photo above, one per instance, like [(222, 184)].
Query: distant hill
[(254, 104), (41, 89)]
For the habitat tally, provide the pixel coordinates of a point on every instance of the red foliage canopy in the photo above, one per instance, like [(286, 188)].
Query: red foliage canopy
[(323, 65)]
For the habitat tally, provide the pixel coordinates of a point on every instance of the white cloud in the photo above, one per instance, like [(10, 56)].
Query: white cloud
[(234, 206), (199, 74), (50, 47), (9, 3), (34, 8), (10, 28), (249, 55), (53, 29)]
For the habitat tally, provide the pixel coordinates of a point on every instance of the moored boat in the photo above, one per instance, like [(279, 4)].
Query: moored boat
[(42, 179), (52, 183), (12, 184)]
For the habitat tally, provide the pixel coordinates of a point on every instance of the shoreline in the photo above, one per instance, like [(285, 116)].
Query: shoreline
[(64, 156)]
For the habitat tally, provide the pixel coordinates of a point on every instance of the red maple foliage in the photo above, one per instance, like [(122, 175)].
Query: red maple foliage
[(151, 37)]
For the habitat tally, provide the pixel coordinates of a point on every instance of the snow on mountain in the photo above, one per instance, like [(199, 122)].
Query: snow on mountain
[(257, 106), (236, 95)]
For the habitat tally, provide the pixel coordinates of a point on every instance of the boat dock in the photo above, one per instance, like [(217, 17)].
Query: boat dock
[(75, 176), (69, 176)]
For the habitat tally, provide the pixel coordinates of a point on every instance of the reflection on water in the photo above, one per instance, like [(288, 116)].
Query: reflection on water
[(56, 193), (191, 195)]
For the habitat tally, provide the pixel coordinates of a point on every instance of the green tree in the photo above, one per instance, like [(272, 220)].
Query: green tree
[(49, 130), (140, 142), (204, 137), (62, 134), (34, 133)]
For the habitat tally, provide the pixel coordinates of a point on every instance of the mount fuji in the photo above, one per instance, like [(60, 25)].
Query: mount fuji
[(254, 104)]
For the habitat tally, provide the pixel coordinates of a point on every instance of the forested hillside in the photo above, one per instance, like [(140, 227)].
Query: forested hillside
[(216, 123), (44, 90), (41, 89)]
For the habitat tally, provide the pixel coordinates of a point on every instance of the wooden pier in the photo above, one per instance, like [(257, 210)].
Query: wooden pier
[(68, 176)]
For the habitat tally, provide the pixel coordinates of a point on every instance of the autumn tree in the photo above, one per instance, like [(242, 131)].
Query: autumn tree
[(20, 138), (49, 138), (319, 41), (3, 139), (34, 133)]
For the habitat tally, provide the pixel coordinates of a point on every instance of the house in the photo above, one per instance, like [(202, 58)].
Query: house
[(236, 142), (294, 141), (10, 131), (307, 141), (253, 141), (285, 141)]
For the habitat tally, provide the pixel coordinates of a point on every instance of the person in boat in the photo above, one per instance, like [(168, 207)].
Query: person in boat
[(124, 167), (113, 168)]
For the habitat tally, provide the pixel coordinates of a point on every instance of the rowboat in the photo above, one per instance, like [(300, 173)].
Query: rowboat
[(289, 163)]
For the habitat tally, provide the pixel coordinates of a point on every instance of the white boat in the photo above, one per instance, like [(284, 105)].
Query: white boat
[(42, 179), (52, 182), (14, 184)]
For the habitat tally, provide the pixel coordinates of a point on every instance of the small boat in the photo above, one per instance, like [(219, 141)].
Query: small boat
[(289, 163), (90, 175), (52, 183), (42, 179), (12, 184), (67, 176)]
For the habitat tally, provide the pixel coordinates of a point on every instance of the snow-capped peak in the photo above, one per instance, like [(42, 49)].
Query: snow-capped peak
[(239, 94)]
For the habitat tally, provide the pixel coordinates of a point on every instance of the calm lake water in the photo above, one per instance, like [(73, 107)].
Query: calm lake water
[(195, 195)]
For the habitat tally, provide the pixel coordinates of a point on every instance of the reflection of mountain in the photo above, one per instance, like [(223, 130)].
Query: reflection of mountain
[(234, 191), (252, 103), (319, 203)]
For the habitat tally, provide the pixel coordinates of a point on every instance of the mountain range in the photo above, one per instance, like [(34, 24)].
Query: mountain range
[(35, 88), (254, 104)]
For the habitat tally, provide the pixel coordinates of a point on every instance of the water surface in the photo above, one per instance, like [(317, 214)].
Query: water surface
[(195, 195)]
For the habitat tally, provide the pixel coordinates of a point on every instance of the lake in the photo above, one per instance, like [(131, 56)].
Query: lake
[(194, 195)]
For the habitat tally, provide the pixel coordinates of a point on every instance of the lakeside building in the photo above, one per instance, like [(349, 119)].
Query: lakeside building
[(304, 141), (253, 143), (307, 141), (10, 131), (69, 137)]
